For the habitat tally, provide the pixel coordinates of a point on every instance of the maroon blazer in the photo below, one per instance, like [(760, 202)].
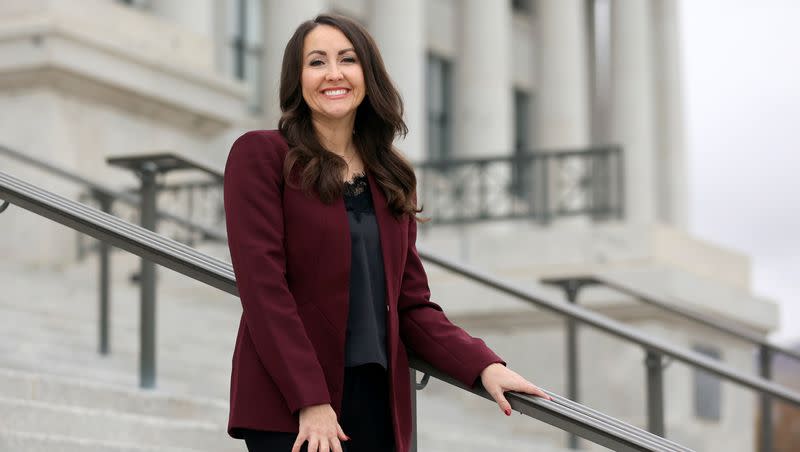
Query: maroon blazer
[(291, 256)]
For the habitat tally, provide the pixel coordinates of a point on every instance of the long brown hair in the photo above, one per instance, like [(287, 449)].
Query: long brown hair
[(379, 119)]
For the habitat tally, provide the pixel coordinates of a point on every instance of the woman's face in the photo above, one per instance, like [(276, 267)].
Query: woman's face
[(332, 79)]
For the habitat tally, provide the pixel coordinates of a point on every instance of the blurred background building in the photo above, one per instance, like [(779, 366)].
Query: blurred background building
[(548, 139)]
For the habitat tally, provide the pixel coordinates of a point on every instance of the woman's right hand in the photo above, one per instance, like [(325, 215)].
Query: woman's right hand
[(319, 427)]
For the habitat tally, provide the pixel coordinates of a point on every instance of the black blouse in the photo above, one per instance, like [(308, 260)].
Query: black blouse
[(366, 321)]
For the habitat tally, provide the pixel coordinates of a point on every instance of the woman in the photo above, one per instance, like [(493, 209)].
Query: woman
[(321, 220)]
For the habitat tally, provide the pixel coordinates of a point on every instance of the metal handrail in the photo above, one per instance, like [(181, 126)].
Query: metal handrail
[(615, 328), (714, 323), (766, 349), (102, 190), (561, 413)]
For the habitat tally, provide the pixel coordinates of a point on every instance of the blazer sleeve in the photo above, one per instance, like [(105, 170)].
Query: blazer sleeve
[(254, 216), (426, 330)]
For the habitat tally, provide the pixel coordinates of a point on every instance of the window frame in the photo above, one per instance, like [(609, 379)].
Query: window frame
[(440, 122)]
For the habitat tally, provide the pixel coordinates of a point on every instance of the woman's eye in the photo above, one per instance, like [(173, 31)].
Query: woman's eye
[(348, 59), (315, 63)]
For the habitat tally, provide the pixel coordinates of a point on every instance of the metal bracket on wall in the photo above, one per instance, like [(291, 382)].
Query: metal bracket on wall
[(421, 385), (4, 206)]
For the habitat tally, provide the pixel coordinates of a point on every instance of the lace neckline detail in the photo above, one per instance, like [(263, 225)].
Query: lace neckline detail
[(356, 185)]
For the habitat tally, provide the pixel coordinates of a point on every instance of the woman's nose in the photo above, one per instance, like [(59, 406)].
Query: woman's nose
[(334, 73)]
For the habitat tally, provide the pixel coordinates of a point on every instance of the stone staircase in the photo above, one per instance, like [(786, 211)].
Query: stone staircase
[(58, 393)]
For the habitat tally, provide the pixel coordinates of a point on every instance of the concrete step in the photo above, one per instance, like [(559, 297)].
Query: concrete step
[(449, 440), (50, 328), (18, 415), (74, 392), (38, 442)]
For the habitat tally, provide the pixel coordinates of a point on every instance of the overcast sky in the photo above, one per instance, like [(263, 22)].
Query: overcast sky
[(742, 88)]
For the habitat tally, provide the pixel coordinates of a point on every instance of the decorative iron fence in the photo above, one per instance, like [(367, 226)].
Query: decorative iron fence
[(539, 186), (199, 202)]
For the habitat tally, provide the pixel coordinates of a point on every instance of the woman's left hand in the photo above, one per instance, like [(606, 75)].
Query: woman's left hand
[(497, 379)]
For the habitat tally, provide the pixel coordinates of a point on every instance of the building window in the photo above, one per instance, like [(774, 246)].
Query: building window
[(521, 6), (522, 121), (246, 47), (520, 182), (438, 106), (707, 388), (134, 3)]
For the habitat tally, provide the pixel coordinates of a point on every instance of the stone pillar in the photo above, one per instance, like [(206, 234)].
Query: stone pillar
[(194, 15), (562, 92), (399, 29), (672, 179), (633, 104), (483, 95), (281, 18)]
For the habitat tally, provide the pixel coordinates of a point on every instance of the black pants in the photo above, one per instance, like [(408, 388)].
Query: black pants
[(366, 417)]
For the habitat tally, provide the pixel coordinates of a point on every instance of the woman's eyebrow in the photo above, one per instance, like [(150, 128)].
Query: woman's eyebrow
[(323, 53)]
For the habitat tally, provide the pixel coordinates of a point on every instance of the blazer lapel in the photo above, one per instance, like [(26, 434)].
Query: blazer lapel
[(391, 237)]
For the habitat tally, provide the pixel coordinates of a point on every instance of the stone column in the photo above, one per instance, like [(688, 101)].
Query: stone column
[(483, 95), (671, 177), (281, 18), (633, 104), (562, 93), (399, 29), (194, 15)]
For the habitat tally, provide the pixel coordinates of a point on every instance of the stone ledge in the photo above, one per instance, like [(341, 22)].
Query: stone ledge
[(116, 28), (686, 271), (53, 52)]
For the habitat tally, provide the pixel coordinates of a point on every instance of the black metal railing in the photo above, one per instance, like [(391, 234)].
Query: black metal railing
[(560, 412), (110, 200), (539, 186), (766, 350), (655, 350)]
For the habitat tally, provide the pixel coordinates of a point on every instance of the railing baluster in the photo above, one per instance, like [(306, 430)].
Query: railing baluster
[(104, 281), (414, 388), (765, 370), (147, 350), (655, 392), (412, 374), (190, 212), (545, 197), (571, 289)]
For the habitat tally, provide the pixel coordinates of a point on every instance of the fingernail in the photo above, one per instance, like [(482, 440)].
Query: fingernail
[(508, 412)]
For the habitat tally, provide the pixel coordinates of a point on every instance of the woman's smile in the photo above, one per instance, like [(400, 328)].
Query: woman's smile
[(336, 93)]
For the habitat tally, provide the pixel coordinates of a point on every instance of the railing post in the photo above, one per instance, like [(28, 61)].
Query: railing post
[(190, 213), (147, 336), (765, 370), (545, 196), (412, 374), (655, 393), (621, 187), (571, 288), (104, 281)]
